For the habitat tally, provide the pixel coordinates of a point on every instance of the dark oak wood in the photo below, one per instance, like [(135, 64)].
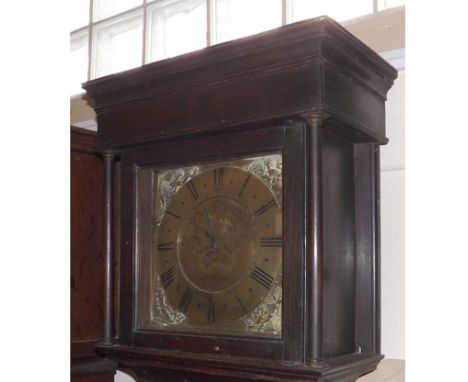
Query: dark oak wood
[(314, 231), (249, 142), (303, 67), (310, 91), (151, 365), (109, 158), (338, 254), (87, 260)]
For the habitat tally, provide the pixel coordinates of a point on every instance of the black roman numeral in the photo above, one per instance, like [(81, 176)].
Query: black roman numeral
[(262, 277), (265, 207), (218, 178), (211, 310), (173, 214), (165, 246), (276, 241), (193, 190), (244, 185), (168, 276), (185, 300)]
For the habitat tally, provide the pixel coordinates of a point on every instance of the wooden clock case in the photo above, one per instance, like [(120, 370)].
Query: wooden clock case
[(311, 91)]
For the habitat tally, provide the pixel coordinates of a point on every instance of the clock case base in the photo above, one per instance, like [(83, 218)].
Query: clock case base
[(157, 366)]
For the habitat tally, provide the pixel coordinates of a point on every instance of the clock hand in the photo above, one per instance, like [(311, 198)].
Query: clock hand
[(210, 227)]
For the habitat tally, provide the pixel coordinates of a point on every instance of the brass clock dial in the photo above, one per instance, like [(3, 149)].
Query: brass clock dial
[(219, 246)]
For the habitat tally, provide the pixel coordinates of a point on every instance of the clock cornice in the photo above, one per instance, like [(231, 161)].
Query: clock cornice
[(304, 60)]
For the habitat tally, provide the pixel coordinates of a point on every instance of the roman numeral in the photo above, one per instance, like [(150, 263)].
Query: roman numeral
[(168, 276), (193, 190), (173, 214), (241, 304), (211, 310), (165, 246), (276, 241), (218, 178), (185, 300), (262, 277), (265, 207), (244, 185)]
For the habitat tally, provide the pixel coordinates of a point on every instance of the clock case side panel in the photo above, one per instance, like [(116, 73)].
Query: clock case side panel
[(338, 230), (256, 140), (350, 235), (367, 196)]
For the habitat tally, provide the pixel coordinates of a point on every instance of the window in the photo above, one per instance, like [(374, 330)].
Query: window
[(385, 4), (117, 44), (175, 27), (109, 36), (105, 8), (238, 18), (338, 9), (78, 60)]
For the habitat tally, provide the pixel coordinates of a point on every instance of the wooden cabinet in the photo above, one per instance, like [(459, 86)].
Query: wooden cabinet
[(310, 93)]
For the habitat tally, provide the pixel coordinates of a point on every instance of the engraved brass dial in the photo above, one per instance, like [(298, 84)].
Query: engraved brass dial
[(219, 246)]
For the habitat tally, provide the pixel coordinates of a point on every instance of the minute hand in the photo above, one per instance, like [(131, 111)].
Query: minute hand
[(210, 227)]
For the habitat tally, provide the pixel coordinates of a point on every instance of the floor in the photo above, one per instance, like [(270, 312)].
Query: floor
[(389, 370)]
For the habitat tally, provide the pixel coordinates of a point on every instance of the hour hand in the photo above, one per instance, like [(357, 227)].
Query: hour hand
[(208, 235)]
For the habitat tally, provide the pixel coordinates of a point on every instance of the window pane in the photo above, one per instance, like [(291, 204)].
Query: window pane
[(340, 10), (385, 4), (78, 61), (79, 14), (117, 44), (107, 8), (175, 27), (238, 18)]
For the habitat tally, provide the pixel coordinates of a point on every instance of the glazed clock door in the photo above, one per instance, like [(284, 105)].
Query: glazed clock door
[(213, 269)]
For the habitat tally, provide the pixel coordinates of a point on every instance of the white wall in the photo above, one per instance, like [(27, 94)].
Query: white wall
[(122, 377), (393, 235), (393, 225), (392, 180)]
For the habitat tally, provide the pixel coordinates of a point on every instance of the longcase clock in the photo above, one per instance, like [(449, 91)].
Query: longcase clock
[(249, 209)]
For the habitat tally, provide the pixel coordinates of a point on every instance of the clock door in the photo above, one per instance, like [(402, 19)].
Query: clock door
[(212, 257)]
